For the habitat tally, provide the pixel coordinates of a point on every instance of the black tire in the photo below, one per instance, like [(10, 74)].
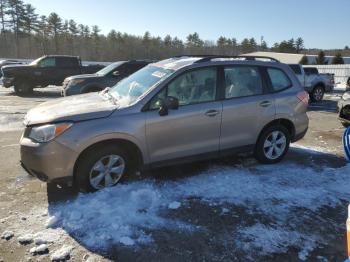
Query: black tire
[(346, 125), (90, 158), (23, 88), (259, 147), (317, 93)]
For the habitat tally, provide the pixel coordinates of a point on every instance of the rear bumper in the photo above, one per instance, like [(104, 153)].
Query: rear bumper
[(299, 136), (49, 162)]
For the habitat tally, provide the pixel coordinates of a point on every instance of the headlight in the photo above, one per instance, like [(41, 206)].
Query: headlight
[(76, 81), (48, 132), (346, 96)]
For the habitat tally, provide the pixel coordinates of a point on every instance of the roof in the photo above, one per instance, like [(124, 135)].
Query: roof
[(176, 63), (286, 58)]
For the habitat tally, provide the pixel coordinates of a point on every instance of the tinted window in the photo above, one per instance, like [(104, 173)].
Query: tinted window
[(242, 81), (48, 62), (196, 86), (296, 69), (66, 62), (311, 70), (278, 79)]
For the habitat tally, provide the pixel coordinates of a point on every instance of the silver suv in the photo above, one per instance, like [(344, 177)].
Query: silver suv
[(180, 109)]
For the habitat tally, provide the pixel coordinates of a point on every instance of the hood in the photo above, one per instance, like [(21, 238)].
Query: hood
[(72, 108), (15, 66), (86, 76)]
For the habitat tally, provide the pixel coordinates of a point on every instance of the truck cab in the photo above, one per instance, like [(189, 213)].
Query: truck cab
[(314, 83), (44, 71)]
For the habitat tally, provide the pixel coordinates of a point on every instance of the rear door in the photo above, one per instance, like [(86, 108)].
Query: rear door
[(66, 66), (192, 129), (247, 106)]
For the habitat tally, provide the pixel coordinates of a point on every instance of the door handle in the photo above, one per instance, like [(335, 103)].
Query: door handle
[(265, 103), (212, 112)]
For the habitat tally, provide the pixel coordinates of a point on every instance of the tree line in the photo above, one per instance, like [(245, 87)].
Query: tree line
[(26, 34)]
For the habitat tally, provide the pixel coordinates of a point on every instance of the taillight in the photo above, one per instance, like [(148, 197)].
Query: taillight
[(303, 97)]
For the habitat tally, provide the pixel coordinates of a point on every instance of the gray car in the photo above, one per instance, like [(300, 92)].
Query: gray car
[(176, 110)]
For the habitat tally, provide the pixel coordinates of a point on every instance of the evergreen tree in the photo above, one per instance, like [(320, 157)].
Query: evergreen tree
[(54, 23), (304, 60), (338, 59), (321, 58), (299, 44)]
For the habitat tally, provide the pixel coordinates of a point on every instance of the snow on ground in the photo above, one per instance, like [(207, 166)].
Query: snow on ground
[(11, 122), (282, 193), (284, 200)]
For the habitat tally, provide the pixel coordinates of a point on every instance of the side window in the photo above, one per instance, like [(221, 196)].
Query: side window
[(196, 86), (279, 79), (67, 62), (242, 81), (48, 62), (193, 87)]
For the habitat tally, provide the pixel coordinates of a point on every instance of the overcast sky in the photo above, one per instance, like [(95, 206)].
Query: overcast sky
[(322, 23)]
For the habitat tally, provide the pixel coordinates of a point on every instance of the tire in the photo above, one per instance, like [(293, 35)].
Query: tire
[(262, 148), (89, 170), (317, 93), (345, 125), (23, 88)]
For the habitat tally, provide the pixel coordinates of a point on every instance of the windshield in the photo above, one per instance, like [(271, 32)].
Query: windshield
[(131, 88), (104, 71), (36, 61)]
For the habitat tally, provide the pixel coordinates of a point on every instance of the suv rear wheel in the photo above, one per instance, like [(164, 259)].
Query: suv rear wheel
[(23, 88), (317, 94), (101, 167), (272, 144)]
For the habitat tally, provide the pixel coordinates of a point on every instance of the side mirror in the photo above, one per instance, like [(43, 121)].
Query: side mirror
[(116, 73), (167, 103)]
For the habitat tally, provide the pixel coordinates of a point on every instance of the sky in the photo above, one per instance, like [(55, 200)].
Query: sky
[(321, 23)]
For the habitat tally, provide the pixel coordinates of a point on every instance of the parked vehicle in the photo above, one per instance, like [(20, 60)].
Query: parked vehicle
[(176, 110), (8, 62), (344, 109), (313, 82), (44, 71), (106, 77)]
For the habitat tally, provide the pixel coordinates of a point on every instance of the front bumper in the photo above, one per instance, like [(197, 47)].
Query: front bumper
[(49, 162), (7, 81), (69, 90)]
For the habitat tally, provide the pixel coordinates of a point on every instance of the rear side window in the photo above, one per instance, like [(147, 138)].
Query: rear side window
[(279, 79), (296, 69), (241, 81), (67, 62), (311, 70)]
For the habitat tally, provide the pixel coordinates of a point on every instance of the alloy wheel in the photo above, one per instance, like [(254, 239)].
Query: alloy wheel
[(107, 171)]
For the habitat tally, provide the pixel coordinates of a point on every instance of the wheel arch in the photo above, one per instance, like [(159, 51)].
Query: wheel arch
[(280, 121), (130, 147)]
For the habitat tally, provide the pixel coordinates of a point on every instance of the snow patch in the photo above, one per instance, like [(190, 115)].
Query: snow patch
[(174, 205), (39, 249), (25, 239), (7, 235), (62, 253)]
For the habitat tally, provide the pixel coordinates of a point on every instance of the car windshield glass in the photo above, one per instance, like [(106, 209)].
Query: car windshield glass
[(36, 61), (131, 88), (104, 71)]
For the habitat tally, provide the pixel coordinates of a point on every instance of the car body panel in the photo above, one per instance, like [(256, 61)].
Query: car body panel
[(185, 132)]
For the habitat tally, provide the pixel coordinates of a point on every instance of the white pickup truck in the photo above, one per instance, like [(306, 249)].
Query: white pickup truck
[(314, 82)]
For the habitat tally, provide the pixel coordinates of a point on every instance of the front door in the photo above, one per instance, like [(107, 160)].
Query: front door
[(192, 129)]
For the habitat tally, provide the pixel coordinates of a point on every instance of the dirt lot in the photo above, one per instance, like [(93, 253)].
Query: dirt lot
[(231, 209)]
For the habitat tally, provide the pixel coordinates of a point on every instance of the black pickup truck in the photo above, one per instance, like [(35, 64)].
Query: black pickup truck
[(44, 71)]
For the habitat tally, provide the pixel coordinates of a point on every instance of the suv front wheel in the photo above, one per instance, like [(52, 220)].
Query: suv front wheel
[(272, 144), (100, 168)]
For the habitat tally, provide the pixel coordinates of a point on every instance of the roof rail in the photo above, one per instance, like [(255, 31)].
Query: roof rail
[(206, 58)]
